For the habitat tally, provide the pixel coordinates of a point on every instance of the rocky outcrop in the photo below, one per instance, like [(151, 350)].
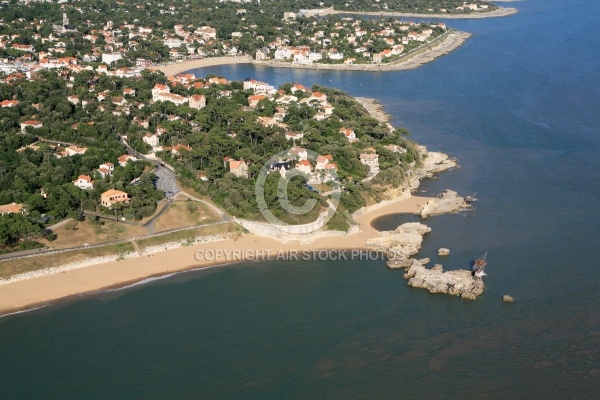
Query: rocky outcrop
[(447, 202), (443, 251), (404, 242), (458, 283), (507, 298), (401, 243)]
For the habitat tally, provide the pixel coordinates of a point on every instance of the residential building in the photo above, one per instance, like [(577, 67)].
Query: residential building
[(112, 196), (197, 101), (371, 159), (30, 123), (84, 182), (12, 208), (238, 168), (125, 158)]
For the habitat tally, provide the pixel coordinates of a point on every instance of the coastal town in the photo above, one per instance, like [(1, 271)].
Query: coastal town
[(37, 35), (109, 151)]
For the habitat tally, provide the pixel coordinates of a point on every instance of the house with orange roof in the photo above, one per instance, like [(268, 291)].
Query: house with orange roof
[(323, 160), (218, 81), (84, 182), (106, 169), (298, 87), (75, 150), (294, 135), (299, 152), (12, 208), (175, 149), (125, 158), (172, 97), (112, 196), (30, 124), (128, 92), (238, 168), (197, 101), (304, 166), (158, 89), (349, 134), (253, 100), (8, 103)]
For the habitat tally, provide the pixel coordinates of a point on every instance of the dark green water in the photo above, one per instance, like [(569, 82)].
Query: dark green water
[(519, 106)]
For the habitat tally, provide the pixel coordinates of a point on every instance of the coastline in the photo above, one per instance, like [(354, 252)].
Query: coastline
[(47, 289), (500, 12), (415, 59), (64, 283)]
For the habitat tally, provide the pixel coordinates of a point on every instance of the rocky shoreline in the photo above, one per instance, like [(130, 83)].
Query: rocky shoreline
[(404, 242), (447, 202)]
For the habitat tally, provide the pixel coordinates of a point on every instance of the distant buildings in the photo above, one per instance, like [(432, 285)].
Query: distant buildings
[(109, 58)]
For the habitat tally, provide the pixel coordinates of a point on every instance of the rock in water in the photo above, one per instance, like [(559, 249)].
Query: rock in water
[(448, 202), (406, 241), (443, 251), (507, 299), (457, 283)]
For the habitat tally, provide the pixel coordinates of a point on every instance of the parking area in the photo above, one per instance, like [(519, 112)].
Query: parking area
[(166, 181)]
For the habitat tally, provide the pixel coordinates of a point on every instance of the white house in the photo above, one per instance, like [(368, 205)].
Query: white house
[(125, 158), (109, 58), (304, 167), (84, 182), (349, 134), (371, 159)]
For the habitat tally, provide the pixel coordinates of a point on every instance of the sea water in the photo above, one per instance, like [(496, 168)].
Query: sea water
[(519, 106)]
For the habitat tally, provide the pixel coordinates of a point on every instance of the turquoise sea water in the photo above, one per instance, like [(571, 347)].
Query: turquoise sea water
[(519, 106)]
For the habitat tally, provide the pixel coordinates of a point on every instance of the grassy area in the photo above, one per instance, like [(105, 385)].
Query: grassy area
[(194, 193), (337, 223), (189, 234), (13, 267), (184, 213), (77, 233)]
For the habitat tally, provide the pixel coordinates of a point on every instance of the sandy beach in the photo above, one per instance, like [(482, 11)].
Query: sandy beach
[(32, 293), (176, 68), (415, 59)]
